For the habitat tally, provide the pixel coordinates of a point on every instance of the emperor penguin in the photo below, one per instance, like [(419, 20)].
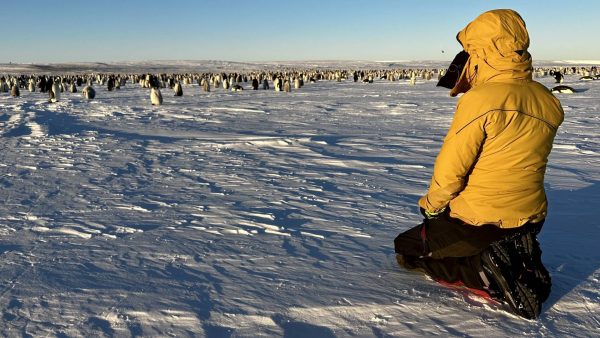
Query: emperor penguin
[(206, 85), (286, 86), (156, 96), (31, 85), (265, 84), (73, 88), (88, 92), (41, 84), (14, 91), (563, 89), (55, 91), (413, 79), (559, 77), (110, 84), (3, 85), (178, 90), (297, 84)]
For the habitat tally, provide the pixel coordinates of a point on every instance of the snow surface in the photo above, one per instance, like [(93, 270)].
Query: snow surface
[(261, 213)]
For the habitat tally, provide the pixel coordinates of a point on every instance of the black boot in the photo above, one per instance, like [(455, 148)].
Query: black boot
[(506, 280)]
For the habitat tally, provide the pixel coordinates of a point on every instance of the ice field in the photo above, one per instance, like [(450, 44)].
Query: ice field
[(261, 213)]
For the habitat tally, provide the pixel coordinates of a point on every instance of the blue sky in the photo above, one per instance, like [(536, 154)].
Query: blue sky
[(266, 30)]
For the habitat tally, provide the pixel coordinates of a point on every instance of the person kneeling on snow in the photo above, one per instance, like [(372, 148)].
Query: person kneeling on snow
[(486, 201)]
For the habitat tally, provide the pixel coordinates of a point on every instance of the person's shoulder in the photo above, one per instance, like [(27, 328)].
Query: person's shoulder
[(478, 95)]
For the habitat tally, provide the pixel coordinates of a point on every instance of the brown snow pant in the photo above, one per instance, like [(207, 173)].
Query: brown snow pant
[(449, 250)]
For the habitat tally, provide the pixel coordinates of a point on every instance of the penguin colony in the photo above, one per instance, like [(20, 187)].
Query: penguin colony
[(281, 81)]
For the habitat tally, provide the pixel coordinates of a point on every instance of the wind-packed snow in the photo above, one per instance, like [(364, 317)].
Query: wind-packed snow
[(261, 213)]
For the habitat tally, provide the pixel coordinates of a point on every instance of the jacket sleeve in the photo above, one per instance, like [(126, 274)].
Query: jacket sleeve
[(457, 156)]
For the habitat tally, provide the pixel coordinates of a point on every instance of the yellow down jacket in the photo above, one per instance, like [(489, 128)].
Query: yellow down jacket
[(491, 166)]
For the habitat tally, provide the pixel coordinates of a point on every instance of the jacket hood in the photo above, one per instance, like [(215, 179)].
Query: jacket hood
[(497, 43)]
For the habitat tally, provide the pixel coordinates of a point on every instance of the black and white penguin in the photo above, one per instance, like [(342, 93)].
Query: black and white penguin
[(287, 87), (265, 84), (236, 88), (178, 90), (586, 78), (558, 76), (54, 92), (3, 85), (73, 88), (41, 84), (31, 85), (155, 96), (278, 84), (413, 79), (205, 85), (254, 84), (46, 84), (88, 92), (563, 89), (110, 84), (14, 91)]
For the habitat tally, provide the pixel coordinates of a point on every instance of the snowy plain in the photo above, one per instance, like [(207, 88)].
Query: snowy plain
[(261, 213)]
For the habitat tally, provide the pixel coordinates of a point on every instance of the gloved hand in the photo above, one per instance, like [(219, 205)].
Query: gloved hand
[(432, 214)]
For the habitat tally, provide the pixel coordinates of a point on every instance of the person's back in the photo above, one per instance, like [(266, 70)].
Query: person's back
[(502, 130), (486, 201), (505, 184)]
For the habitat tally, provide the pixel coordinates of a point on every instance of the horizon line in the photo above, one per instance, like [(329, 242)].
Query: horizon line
[(571, 61)]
